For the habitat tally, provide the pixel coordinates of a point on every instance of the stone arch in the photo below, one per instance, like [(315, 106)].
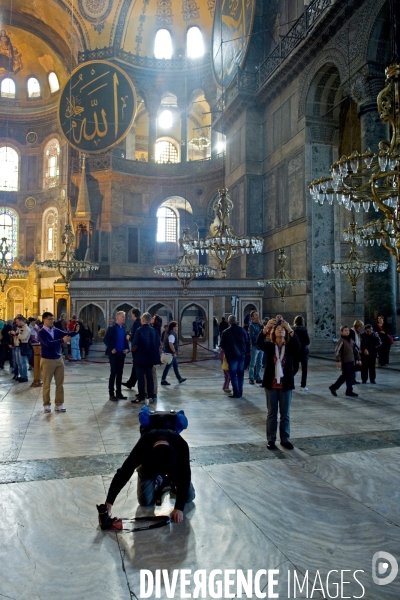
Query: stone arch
[(94, 316), (186, 321), (166, 315)]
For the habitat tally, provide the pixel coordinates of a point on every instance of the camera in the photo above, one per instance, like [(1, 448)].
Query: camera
[(279, 322), (105, 521)]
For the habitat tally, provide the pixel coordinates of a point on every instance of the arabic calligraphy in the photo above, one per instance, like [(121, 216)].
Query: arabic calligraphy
[(97, 107)]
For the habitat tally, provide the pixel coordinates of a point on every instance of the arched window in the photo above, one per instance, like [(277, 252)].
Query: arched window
[(163, 44), (166, 224), (7, 88), (166, 152), (33, 88), (9, 168), (51, 164), (53, 82), (9, 230), (194, 43), (165, 119), (50, 234)]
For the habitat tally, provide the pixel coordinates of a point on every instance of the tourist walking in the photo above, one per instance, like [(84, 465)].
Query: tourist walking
[(370, 344), (346, 356), (146, 350), (302, 356), (51, 363), (278, 379), (384, 332), (234, 344), (131, 382), (156, 323), (355, 333), (255, 328), (171, 347), (117, 349)]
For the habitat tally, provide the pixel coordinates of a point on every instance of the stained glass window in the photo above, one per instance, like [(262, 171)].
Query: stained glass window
[(9, 230), (163, 44), (51, 164), (33, 88), (166, 225), (53, 82), (166, 152), (7, 89), (50, 234), (194, 43), (9, 168)]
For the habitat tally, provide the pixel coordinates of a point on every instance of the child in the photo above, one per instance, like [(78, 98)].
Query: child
[(225, 368), (346, 355), (75, 351)]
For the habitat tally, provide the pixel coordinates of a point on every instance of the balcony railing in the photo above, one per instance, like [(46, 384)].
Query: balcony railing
[(292, 39), (144, 62)]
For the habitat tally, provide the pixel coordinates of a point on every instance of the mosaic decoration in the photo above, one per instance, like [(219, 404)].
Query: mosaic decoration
[(190, 10), (164, 13), (97, 107), (142, 20), (95, 11), (10, 58), (30, 203), (211, 7), (31, 137)]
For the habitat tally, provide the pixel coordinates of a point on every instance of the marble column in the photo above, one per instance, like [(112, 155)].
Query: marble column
[(379, 288)]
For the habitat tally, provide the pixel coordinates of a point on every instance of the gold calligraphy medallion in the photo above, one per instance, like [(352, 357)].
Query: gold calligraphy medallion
[(97, 107)]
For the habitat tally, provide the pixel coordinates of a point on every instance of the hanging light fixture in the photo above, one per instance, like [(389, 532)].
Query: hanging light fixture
[(282, 283), (7, 272), (354, 267), (68, 265), (223, 245), (185, 270), (371, 179)]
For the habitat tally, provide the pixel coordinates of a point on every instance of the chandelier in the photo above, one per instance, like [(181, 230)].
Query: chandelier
[(282, 283), (354, 267), (200, 142), (7, 272), (223, 245), (68, 265), (184, 270), (372, 179)]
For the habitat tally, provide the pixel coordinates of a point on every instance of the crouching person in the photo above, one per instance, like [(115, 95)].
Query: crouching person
[(161, 458)]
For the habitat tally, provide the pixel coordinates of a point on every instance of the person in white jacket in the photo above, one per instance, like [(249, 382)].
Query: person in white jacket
[(21, 347)]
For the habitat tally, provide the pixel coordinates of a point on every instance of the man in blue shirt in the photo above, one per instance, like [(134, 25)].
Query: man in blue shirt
[(117, 348)]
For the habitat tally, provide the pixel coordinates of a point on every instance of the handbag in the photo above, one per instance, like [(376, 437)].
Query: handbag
[(166, 359), (24, 348)]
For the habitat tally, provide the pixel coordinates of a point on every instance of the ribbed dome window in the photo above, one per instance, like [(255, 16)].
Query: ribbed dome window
[(194, 43), (53, 82), (7, 88), (163, 44), (33, 88)]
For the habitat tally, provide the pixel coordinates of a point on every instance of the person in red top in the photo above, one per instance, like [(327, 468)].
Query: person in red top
[(72, 323)]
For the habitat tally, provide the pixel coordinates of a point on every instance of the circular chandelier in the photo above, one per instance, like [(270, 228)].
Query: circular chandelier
[(223, 245), (282, 283), (68, 265), (7, 272), (354, 267)]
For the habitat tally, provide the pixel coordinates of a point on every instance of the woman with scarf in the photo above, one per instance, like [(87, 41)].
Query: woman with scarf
[(346, 356), (278, 378)]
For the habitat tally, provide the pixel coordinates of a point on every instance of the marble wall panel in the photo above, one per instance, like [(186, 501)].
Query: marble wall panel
[(146, 246), (270, 202), (295, 173), (119, 248)]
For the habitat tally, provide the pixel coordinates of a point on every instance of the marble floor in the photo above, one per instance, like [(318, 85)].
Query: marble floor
[(328, 506)]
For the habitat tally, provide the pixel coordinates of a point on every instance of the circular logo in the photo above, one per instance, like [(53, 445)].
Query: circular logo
[(97, 107), (30, 203), (233, 22), (31, 137)]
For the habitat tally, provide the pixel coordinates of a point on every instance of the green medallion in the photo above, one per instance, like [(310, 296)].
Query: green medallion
[(97, 107), (233, 23)]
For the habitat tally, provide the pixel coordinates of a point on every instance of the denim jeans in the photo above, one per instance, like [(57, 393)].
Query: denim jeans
[(147, 492), (236, 373), (278, 399), (173, 364), (22, 362), (255, 363)]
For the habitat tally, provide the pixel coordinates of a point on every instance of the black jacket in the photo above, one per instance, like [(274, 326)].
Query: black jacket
[(371, 343), (234, 342), (292, 348), (148, 343), (141, 455), (110, 339)]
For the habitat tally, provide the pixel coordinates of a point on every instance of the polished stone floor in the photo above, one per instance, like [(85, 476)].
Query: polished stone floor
[(328, 505)]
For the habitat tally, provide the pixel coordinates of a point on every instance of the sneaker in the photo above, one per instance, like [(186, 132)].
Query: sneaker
[(182, 380), (304, 389), (47, 408), (60, 408), (165, 383), (288, 445), (271, 446), (333, 391)]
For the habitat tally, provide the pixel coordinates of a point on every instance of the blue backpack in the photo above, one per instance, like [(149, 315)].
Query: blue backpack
[(162, 419)]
